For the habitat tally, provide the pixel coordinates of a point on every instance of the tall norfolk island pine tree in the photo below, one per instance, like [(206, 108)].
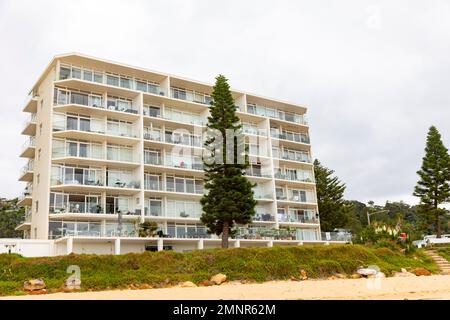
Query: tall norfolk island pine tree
[(433, 187), (230, 198), (330, 198)]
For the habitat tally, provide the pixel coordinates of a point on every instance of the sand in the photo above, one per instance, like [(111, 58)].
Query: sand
[(431, 287)]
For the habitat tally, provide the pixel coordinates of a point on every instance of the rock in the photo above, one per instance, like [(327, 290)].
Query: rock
[(303, 274), (34, 285), (421, 272), (332, 278), (355, 276), (145, 286), (188, 284), (219, 278), (340, 276), (37, 292), (206, 283), (294, 278), (403, 270), (247, 281), (380, 275), (72, 284), (403, 274), (365, 272)]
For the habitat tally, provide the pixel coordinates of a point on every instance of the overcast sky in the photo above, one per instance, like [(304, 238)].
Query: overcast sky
[(373, 74)]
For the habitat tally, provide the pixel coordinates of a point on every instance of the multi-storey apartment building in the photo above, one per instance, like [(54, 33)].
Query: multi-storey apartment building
[(111, 146)]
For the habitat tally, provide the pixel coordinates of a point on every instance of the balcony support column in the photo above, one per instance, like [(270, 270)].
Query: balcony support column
[(117, 246), (200, 244), (69, 245), (160, 244)]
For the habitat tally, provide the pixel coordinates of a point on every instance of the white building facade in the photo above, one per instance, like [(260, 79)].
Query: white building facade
[(110, 146)]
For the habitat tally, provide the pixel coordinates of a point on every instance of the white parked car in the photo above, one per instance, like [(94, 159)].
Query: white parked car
[(432, 239)]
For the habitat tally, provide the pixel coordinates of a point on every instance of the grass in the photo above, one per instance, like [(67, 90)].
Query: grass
[(160, 269), (444, 252)]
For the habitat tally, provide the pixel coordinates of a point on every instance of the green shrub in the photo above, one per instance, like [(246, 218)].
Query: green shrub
[(100, 272)]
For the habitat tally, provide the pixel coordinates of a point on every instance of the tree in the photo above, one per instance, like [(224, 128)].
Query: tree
[(330, 198), (229, 200), (10, 218), (433, 188)]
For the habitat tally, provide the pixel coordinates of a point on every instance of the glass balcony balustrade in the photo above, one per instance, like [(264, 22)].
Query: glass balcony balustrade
[(79, 176), (276, 114), (299, 217), (30, 143), (29, 167), (66, 97), (122, 81), (295, 175), (292, 155), (190, 95), (290, 136)]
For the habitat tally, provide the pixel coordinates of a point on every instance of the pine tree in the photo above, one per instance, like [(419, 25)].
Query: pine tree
[(229, 200), (330, 198), (433, 188)]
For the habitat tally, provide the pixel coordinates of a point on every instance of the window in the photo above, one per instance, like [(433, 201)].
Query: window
[(64, 73), (125, 83), (98, 77), (76, 73), (87, 75), (112, 80), (141, 86)]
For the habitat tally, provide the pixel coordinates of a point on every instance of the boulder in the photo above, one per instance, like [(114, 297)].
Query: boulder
[(355, 276), (303, 275), (219, 278), (145, 286), (403, 270), (421, 272), (403, 274), (380, 275), (188, 284), (332, 278), (365, 272), (34, 285), (340, 276), (206, 283)]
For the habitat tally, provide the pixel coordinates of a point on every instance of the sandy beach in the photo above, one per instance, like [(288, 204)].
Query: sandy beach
[(431, 287)]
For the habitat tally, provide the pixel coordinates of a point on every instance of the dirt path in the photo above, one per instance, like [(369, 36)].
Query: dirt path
[(432, 287)]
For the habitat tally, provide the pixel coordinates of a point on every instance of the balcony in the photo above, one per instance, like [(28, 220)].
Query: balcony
[(27, 172), (30, 125), (59, 229), (290, 136), (120, 81), (86, 153), (26, 197), (263, 217), (296, 177), (29, 148), (297, 218), (264, 233), (276, 114), (293, 155), (115, 105), (180, 116), (190, 95), (113, 131), (31, 104)]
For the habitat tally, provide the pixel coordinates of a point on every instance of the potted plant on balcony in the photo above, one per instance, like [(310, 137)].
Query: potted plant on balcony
[(147, 229)]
